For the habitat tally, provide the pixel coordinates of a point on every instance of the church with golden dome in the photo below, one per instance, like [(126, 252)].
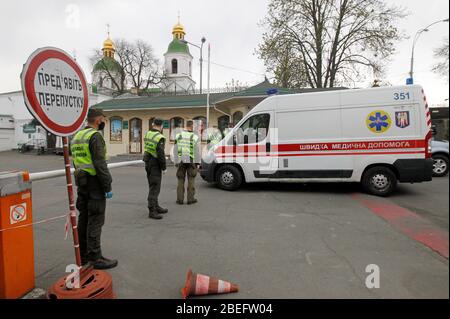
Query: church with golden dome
[(107, 70), (175, 102), (177, 66)]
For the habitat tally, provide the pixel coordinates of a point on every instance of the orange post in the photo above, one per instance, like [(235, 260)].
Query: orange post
[(16, 235)]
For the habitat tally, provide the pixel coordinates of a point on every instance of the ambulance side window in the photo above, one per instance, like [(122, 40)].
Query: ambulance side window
[(253, 130)]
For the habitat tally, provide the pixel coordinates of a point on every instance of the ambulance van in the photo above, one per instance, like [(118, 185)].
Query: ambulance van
[(377, 136)]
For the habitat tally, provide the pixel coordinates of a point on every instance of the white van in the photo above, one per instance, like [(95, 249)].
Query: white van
[(375, 136)]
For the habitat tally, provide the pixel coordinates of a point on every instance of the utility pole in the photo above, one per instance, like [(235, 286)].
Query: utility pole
[(209, 79)]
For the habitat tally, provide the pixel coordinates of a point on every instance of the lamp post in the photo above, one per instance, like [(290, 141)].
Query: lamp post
[(209, 79), (410, 80), (203, 40)]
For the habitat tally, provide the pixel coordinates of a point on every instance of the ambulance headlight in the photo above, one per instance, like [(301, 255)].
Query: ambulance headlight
[(209, 156)]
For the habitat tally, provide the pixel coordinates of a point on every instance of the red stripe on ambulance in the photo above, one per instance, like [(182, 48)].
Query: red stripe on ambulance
[(306, 148)]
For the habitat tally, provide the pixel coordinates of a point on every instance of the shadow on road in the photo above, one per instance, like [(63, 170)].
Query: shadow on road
[(331, 188), (305, 187)]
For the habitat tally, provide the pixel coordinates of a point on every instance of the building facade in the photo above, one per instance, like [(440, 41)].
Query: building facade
[(128, 119), (440, 122), (6, 132)]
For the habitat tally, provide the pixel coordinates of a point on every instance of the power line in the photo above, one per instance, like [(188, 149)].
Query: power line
[(236, 69)]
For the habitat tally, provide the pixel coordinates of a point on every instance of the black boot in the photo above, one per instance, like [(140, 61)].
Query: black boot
[(192, 202), (104, 263), (152, 213), (161, 210)]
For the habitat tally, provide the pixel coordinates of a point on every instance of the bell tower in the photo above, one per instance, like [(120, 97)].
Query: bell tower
[(178, 64)]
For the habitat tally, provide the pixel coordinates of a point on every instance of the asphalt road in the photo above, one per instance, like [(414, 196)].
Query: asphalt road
[(273, 240)]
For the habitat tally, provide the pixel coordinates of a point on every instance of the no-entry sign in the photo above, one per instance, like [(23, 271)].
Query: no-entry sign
[(55, 90)]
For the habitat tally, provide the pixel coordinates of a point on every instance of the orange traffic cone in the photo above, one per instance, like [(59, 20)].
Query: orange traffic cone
[(197, 285)]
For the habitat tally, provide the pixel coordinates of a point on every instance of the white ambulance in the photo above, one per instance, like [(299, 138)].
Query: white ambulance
[(376, 136)]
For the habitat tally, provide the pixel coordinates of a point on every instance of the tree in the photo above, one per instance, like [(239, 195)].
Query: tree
[(135, 64), (442, 54), (324, 43), (142, 68), (123, 50), (286, 67)]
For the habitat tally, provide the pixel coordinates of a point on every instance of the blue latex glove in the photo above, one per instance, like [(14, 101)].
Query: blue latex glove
[(109, 195)]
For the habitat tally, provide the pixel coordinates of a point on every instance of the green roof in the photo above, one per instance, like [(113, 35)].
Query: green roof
[(261, 89), (162, 101), (177, 46), (107, 64), (194, 100)]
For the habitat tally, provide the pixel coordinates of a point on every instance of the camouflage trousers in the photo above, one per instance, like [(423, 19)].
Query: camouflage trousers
[(190, 171)]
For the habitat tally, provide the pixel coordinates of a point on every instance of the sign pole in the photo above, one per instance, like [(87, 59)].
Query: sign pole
[(55, 92), (73, 214)]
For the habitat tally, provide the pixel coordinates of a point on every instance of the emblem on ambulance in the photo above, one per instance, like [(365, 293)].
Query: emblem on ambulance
[(402, 119), (378, 121)]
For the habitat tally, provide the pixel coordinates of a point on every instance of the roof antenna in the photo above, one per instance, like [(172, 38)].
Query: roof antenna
[(178, 16), (107, 29)]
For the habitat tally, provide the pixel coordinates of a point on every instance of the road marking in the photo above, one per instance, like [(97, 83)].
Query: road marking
[(286, 215), (308, 259), (408, 223)]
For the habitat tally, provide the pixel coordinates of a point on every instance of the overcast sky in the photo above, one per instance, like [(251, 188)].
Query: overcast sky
[(231, 26)]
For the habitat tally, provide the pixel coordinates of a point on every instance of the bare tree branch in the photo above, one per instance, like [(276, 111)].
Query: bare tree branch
[(442, 55), (332, 41), (137, 63)]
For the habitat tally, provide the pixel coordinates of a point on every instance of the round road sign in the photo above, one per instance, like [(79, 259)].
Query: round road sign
[(55, 91)]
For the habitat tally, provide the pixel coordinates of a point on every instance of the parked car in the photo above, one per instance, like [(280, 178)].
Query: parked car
[(439, 150)]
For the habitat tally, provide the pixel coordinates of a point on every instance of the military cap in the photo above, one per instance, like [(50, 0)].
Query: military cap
[(93, 113)]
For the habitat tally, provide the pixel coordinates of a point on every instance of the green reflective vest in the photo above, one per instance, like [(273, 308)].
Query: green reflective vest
[(81, 154), (151, 140), (186, 142)]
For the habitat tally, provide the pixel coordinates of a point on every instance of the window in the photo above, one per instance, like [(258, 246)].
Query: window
[(135, 136), (237, 116), (222, 123), (253, 130), (174, 66), (200, 125), (115, 129), (176, 125), (190, 68)]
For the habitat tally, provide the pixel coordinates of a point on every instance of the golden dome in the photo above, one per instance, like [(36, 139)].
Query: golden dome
[(178, 31), (108, 44)]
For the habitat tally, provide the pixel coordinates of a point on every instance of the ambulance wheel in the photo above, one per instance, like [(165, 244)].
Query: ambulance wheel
[(379, 181), (228, 177), (440, 165)]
